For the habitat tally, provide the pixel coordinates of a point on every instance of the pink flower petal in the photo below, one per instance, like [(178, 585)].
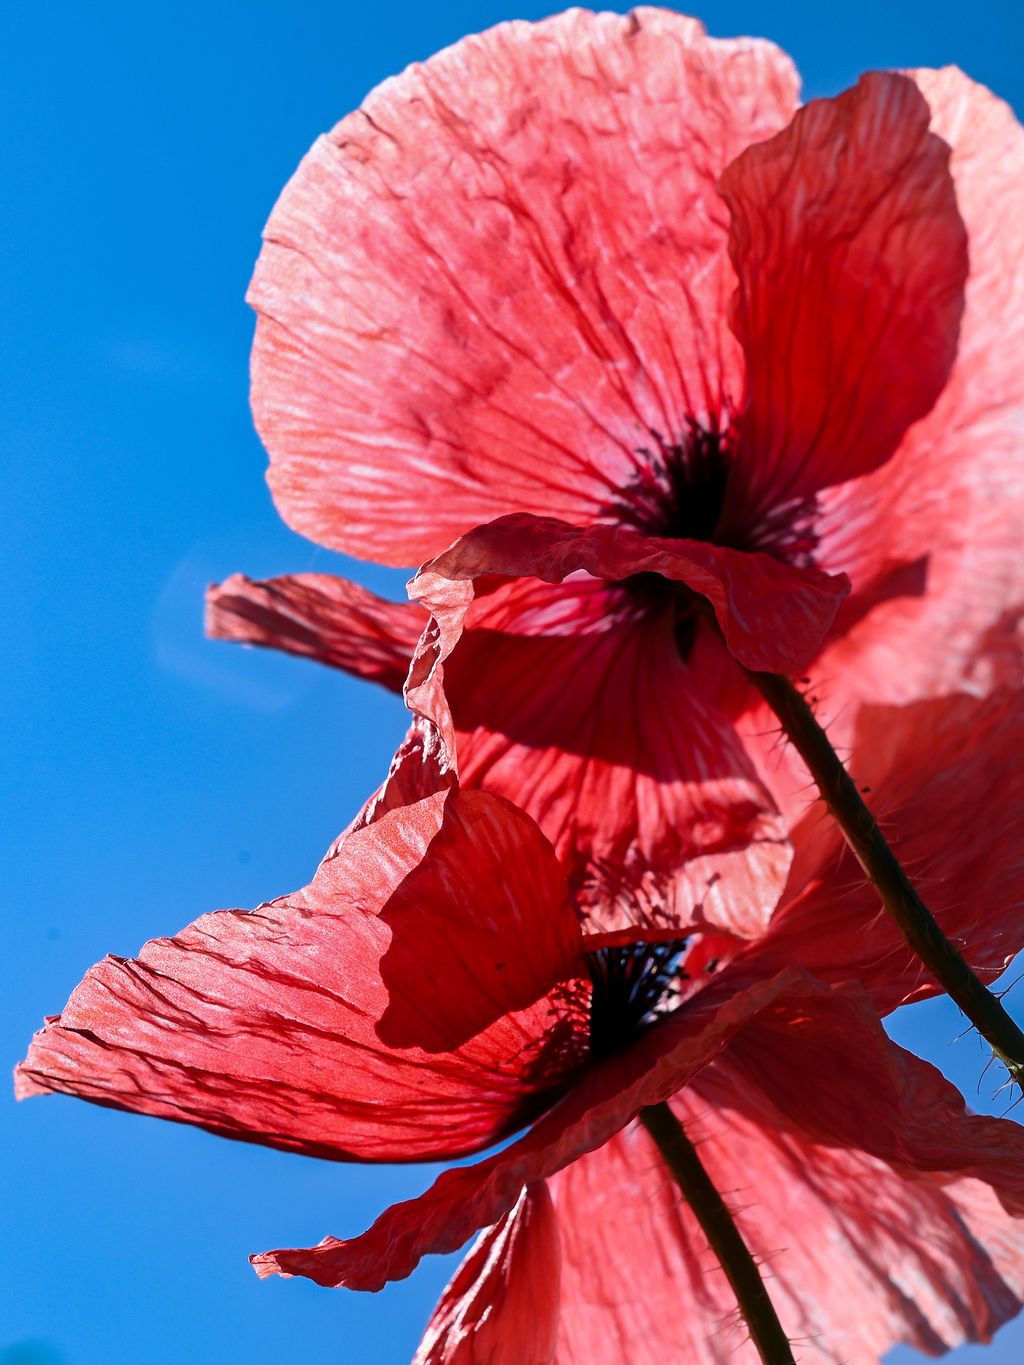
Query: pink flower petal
[(858, 1253), (320, 617), (484, 291), (851, 259), (481, 924), (856, 1257), (924, 768), (987, 165), (811, 1067), (939, 527), (501, 1307), (579, 707), (774, 616), (951, 498), (467, 1198), (422, 766), (281, 1025), (825, 1067)]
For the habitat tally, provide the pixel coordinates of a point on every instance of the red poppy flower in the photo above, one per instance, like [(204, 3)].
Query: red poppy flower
[(600, 276), (432, 991)]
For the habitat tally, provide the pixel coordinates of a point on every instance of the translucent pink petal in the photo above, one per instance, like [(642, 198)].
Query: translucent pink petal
[(282, 1025), (467, 1198), (987, 164), (856, 1257), (774, 616), (859, 1250), (928, 770), (641, 786), (851, 258), (501, 1307), (825, 1067), (422, 766), (319, 616), (951, 500), (788, 1041), (485, 290), (579, 708)]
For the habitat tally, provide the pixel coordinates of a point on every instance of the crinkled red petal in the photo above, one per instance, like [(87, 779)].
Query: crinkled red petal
[(952, 499), (608, 1095), (502, 1303), (319, 616), (861, 1248), (345, 1020), (489, 288), (422, 765), (923, 768), (851, 258), (826, 1068), (579, 707), (773, 616), (856, 1256), (931, 540), (637, 780)]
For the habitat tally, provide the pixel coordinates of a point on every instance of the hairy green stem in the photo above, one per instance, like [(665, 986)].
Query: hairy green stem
[(718, 1226), (898, 896)]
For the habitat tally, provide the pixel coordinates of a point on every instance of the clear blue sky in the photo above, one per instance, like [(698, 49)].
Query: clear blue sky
[(149, 775)]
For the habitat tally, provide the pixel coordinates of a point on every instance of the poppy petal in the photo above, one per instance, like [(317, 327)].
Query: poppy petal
[(566, 701), (422, 766), (856, 1257), (950, 500), (825, 1067), (923, 766), (319, 616), (502, 1303), (487, 289), (281, 1025), (987, 164), (607, 1096), (774, 616), (851, 257)]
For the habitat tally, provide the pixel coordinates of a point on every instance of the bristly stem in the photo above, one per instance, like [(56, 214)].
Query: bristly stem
[(718, 1226), (898, 896)]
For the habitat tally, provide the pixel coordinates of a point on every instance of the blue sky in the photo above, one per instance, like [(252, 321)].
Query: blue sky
[(150, 775)]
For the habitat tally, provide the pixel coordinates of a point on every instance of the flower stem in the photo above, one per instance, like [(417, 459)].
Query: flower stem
[(898, 896), (718, 1226)]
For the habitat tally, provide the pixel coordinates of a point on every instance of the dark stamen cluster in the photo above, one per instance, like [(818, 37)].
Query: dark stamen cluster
[(630, 987), (679, 490)]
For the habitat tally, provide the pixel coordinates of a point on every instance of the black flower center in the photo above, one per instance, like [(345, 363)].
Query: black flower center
[(679, 490), (633, 986), (678, 493)]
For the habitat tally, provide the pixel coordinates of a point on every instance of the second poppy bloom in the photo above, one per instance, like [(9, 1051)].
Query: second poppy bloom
[(431, 992)]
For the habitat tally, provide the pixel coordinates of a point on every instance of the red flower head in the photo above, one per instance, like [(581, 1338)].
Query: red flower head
[(432, 991), (598, 278)]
